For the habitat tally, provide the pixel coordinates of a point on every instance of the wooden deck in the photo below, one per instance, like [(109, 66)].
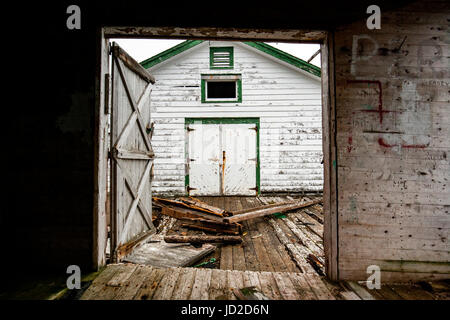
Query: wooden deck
[(140, 282), (272, 257)]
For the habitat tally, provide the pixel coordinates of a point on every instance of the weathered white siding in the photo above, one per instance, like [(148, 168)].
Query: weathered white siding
[(287, 101)]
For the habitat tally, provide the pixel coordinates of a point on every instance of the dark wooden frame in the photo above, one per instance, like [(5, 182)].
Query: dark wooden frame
[(324, 38)]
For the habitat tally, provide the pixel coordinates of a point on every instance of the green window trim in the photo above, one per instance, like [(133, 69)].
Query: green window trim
[(213, 50), (255, 121), (225, 77)]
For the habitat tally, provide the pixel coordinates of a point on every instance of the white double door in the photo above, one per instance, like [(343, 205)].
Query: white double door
[(222, 159)]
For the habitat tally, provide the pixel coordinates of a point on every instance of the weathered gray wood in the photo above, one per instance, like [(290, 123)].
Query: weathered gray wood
[(132, 153), (330, 234), (201, 285), (163, 255), (362, 292), (132, 64), (270, 210), (100, 163), (167, 285), (214, 33), (203, 239)]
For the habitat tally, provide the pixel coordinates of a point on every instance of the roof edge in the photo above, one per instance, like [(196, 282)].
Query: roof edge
[(169, 53), (286, 57), (261, 46)]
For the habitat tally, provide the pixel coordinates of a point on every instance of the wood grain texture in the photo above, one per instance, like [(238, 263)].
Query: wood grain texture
[(392, 159)]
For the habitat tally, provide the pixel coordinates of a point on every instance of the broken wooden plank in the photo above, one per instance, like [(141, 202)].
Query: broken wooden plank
[(297, 252), (203, 239), (197, 203), (183, 213), (212, 226), (163, 255), (258, 212), (181, 204)]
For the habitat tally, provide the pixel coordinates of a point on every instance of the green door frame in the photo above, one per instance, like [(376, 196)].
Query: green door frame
[(188, 121)]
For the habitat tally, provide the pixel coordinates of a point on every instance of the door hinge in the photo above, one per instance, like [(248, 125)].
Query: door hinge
[(254, 128), (150, 129), (188, 188), (255, 188), (189, 129), (107, 83)]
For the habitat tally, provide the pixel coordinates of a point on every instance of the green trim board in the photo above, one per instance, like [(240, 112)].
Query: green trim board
[(255, 121), (284, 56), (232, 77), (169, 53), (212, 61), (261, 46)]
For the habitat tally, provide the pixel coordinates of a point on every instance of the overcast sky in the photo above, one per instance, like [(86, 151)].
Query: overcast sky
[(141, 49)]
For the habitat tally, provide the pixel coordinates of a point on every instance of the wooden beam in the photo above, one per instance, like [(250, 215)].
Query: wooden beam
[(266, 211), (132, 64), (313, 56), (207, 33), (202, 239), (182, 213)]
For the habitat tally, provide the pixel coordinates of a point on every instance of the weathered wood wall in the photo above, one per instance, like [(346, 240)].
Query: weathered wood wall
[(288, 102), (393, 144)]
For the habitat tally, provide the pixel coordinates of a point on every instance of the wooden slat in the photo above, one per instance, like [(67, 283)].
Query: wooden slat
[(202, 282), (319, 287), (302, 287), (167, 284), (99, 283), (268, 286), (136, 280), (296, 251), (184, 284), (309, 222), (151, 284), (411, 292), (226, 257), (117, 281), (274, 256), (261, 253), (132, 64), (285, 286), (267, 211), (362, 292), (218, 286), (235, 281)]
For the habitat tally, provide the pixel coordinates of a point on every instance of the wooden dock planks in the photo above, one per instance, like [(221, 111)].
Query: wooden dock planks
[(141, 282)]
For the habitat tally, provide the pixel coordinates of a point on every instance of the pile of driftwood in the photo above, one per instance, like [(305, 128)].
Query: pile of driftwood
[(196, 214)]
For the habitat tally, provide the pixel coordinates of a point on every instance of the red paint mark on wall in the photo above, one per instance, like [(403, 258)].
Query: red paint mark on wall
[(383, 143), (381, 111), (350, 147)]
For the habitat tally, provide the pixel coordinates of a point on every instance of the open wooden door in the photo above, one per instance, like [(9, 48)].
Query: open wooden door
[(131, 154)]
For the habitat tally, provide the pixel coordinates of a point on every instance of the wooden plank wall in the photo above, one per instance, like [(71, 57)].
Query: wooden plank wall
[(287, 102), (393, 141)]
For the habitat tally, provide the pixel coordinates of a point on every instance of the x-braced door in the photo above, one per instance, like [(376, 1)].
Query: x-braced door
[(131, 153)]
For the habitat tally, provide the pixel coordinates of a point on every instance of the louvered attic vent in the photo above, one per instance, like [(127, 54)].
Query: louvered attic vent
[(221, 57)]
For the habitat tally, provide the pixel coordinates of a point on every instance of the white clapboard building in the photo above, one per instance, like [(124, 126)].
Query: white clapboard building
[(234, 118)]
